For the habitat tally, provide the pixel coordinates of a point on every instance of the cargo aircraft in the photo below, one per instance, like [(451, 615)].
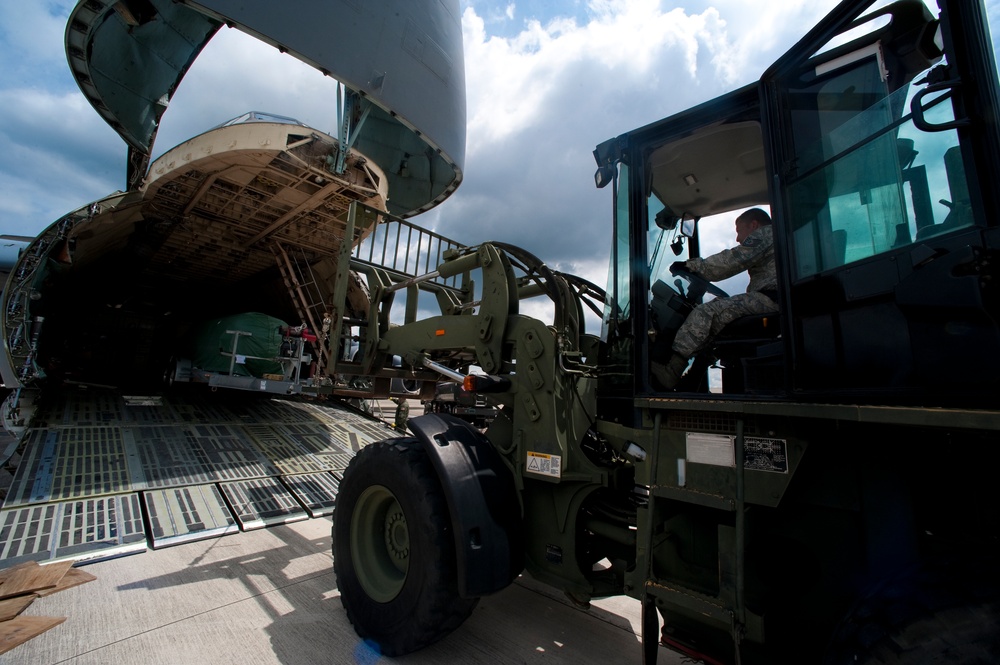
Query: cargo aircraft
[(213, 273)]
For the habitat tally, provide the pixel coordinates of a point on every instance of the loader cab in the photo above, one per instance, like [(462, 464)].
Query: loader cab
[(675, 180), (874, 144)]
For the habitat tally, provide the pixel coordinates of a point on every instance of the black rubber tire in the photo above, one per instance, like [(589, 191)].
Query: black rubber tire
[(422, 604)]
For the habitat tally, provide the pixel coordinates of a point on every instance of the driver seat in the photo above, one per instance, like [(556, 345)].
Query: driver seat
[(755, 328), (751, 354)]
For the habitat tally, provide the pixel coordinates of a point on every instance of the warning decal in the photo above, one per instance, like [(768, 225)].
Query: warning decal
[(545, 465)]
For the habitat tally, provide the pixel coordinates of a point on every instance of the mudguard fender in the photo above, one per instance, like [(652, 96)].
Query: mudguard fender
[(482, 501)]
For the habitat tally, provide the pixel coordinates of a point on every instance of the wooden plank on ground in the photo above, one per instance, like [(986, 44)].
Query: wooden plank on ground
[(19, 630), (73, 577), (11, 607), (30, 577)]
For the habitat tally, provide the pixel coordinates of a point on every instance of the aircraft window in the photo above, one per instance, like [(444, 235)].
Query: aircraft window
[(259, 116), (869, 181)]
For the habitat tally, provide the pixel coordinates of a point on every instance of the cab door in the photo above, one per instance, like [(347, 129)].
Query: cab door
[(884, 155)]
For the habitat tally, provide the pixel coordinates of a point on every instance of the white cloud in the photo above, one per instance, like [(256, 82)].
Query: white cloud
[(29, 32), (632, 48), (515, 82), (56, 154)]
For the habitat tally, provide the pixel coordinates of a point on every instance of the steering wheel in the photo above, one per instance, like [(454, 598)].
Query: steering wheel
[(697, 285)]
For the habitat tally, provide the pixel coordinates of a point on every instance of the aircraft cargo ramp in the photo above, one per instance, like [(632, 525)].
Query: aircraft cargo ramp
[(102, 474)]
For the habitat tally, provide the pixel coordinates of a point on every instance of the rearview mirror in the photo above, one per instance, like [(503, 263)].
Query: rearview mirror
[(688, 224)]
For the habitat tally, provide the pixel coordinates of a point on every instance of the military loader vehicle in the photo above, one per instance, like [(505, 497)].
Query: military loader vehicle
[(831, 501)]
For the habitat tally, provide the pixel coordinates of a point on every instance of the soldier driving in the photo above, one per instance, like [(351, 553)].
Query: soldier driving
[(755, 254)]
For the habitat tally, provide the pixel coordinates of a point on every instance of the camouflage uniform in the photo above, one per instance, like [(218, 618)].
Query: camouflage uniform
[(756, 256)]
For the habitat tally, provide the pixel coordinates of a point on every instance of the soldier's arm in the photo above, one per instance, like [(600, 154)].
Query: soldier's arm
[(733, 261)]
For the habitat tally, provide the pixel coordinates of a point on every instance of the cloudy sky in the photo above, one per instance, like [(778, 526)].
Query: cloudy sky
[(547, 80)]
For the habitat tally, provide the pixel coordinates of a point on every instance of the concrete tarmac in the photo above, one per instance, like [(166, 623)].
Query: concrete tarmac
[(269, 597)]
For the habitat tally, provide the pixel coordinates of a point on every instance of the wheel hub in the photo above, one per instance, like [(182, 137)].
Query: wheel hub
[(397, 538), (380, 543)]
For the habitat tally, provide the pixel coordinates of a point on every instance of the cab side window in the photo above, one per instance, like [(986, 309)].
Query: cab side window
[(867, 180)]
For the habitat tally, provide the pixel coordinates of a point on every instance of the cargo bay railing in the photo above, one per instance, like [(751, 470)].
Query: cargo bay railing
[(403, 248)]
